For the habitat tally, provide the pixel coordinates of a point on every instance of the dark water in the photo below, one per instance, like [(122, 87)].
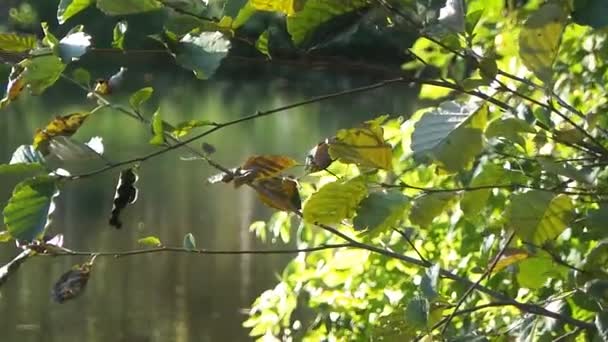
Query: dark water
[(167, 297)]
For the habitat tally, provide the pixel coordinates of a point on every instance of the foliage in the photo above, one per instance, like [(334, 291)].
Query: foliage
[(399, 221)]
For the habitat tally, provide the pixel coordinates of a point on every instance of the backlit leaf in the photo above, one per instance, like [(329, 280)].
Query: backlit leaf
[(417, 312), (540, 38), (279, 192), (72, 283), (73, 45), (282, 6), (362, 146), (451, 134), (118, 34), (380, 210), (264, 166), (151, 241), (202, 52), (564, 169), (13, 42), (261, 44), (21, 169), (15, 86), (82, 76), (126, 193), (41, 72), (534, 272), (334, 202), (124, 7), (510, 128), (26, 215), (429, 206), (140, 97), (158, 130), (510, 257), (539, 216), (69, 8), (60, 126), (184, 128), (189, 242)]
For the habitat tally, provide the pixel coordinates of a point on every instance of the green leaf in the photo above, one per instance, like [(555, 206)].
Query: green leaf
[(202, 52), (473, 201), (139, 97), (539, 216), (417, 312), (510, 128), (189, 242), (151, 241), (118, 34), (69, 8), (380, 210), (183, 128), (534, 272), (49, 38), (261, 44), (157, 130), (429, 206), (334, 202), (472, 19), (597, 259), (124, 7), (26, 215), (591, 13), (303, 24), (82, 76), (5, 236), (540, 38), (450, 134), (601, 323), (42, 72), (73, 45), (13, 42), (598, 289), (21, 169), (564, 169)]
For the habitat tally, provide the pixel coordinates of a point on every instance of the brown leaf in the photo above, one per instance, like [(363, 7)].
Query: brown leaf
[(260, 167), (15, 86), (60, 126), (72, 283), (318, 158), (279, 192), (509, 257)]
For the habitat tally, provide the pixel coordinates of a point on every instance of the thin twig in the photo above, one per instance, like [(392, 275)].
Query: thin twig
[(406, 238), (496, 186), (569, 336)]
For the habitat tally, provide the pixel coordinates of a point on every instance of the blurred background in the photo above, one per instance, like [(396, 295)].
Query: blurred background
[(167, 297)]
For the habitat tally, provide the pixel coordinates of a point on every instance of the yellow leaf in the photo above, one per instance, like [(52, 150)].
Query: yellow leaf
[(283, 6), (15, 86), (540, 38), (60, 126), (334, 202), (260, 167), (362, 146), (279, 192), (509, 257)]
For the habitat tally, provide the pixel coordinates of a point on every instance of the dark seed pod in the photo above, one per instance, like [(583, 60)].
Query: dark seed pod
[(72, 283), (126, 193)]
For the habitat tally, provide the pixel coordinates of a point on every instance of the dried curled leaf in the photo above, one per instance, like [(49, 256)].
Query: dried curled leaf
[(279, 192), (72, 283), (107, 86), (15, 86), (362, 146), (126, 193), (318, 158), (60, 126), (254, 169)]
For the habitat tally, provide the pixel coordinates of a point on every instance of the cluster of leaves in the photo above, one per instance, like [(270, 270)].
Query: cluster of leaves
[(503, 178)]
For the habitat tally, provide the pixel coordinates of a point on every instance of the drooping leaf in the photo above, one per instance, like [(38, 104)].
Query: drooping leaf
[(13, 42), (539, 216), (26, 154), (202, 52), (41, 72), (303, 23), (184, 128), (151, 241), (362, 146), (595, 262), (69, 8), (118, 34), (429, 206), (72, 283), (12, 266), (417, 312), (73, 45), (380, 210), (125, 7), (126, 193), (601, 324), (261, 44), (158, 130), (263, 166), (140, 97), (334, 202), (510, 257), (64, 149), (14, 87), (279, 192), (318, 158), (27, 213), (540, 38), (60, 126), (451, 134), (189, 242), (591, 13), (429, 282), (49, 38)]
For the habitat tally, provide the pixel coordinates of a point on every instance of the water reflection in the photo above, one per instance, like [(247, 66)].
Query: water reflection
[(166, 297)]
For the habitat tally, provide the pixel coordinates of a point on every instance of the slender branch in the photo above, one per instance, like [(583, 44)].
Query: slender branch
[(494, 186), (165, 249), (406, 238), (472, 287), (569, 336)]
